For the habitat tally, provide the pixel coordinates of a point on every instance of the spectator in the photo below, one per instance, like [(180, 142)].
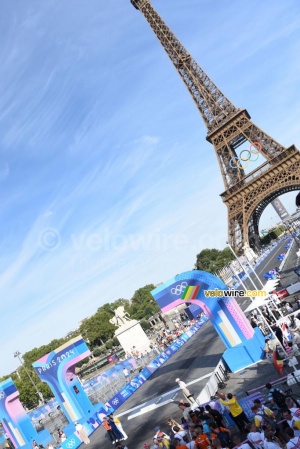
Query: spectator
[(109, 430), (271, 442), (158, 444), (263, 408), (291, 405), (172, 423), (294, 352), (119, 425), (185, 409), (217, 444), (269, 349), (202, 439), (82, 433), (191, 444), (61, 435), (279, 335), (293, 440), (296, 337), (292, 421), (162, 437), (289, 307), (179, 434), (119, 435), (221, 433), (254, 436), (126, 373), (237, 413), (216, 415), (276, 396), (238, 443)]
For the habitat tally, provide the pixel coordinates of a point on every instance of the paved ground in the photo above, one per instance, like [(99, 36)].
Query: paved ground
[(198, 357)]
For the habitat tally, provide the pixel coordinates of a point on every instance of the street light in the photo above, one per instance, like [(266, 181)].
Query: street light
[(39, 393)]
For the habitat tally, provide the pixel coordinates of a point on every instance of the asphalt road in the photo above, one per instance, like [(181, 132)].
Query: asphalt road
[(199, 356), (288, 276)]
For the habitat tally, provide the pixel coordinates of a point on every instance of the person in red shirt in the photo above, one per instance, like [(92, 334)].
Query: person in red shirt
[(202, 440), (221, 433), (109, 430)]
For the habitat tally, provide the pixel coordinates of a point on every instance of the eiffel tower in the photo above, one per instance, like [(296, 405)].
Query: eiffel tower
[(246, 195)]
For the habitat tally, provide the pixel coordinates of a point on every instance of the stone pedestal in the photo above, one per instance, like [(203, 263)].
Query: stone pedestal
[(130, 335)]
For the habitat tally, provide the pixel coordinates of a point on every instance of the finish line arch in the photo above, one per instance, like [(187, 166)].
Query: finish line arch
[(244, 344)]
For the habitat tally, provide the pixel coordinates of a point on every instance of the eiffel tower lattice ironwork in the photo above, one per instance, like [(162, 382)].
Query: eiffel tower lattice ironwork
[(246, 195)]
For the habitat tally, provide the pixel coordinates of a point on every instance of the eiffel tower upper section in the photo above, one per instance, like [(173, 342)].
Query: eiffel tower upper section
[(246, 195), (228, 127)]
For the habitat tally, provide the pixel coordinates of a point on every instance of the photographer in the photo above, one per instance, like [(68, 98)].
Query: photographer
[(272, 442)]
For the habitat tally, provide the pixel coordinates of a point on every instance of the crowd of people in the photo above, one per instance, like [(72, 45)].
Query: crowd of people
[(210, 426)]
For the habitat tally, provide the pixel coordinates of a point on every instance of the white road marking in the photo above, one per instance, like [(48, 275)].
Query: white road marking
[(149, 408), (154, 400)]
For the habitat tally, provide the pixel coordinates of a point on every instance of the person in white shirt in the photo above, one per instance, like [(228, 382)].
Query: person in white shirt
[(293, 441), (271, 442), (82, 433), (126, 372), (239, 444), (172, 423), (254, 436), (180, 434), (185, 411), (294, 352), (292, 407), (191, 444), (292, 421), (185, 391), (296, 337)]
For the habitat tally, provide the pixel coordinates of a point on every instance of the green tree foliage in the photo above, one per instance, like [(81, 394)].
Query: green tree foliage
[(28, 393), (145, 325), (97, 352), (213, 259), (272, 235), (142, 305), (97, 329), (121, 302)]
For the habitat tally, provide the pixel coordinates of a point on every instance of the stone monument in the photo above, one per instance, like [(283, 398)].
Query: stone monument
[(130, 334)]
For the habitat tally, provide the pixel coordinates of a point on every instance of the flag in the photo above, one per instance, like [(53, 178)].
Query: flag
[(278, 363)]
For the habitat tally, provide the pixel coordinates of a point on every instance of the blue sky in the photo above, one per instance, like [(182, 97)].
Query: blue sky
[(107, 181)]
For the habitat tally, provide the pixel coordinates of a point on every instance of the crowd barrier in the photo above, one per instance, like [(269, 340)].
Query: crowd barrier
[(216, 382), (100, 410)]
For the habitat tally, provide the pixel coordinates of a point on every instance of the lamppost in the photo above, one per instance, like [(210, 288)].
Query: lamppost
[(39, 393)]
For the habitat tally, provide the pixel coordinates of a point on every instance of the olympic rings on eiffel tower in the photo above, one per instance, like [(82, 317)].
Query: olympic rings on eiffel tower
[(245, 156)]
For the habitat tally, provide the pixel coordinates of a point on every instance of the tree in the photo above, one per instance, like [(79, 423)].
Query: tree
[(121, 302), (213, 259), (145, 325), (142, 304), (97, 329), (97, 352), (28, 393)]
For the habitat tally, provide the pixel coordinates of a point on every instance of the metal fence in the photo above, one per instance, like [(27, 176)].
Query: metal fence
[(102, 391)]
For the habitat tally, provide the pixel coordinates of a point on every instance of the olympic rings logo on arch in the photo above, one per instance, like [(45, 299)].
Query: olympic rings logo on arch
[(235, 162), (178, 289), (71, 443)]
